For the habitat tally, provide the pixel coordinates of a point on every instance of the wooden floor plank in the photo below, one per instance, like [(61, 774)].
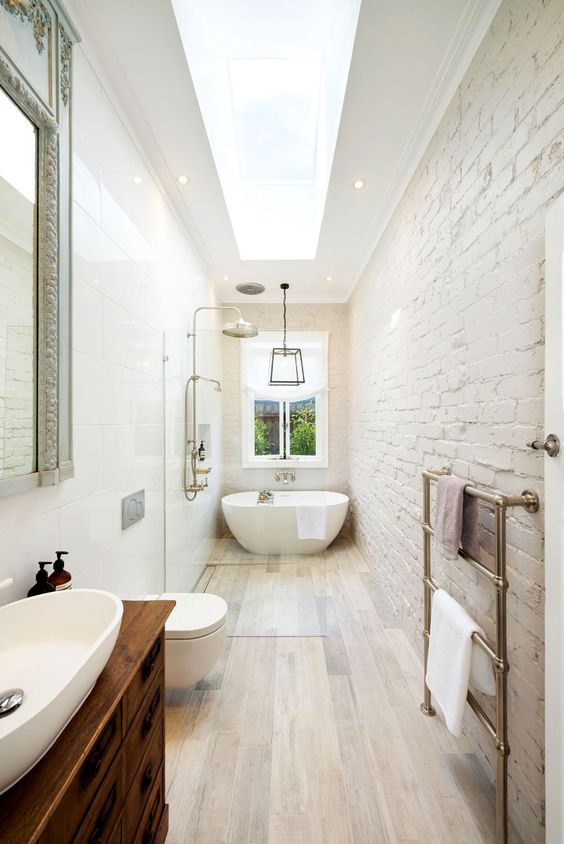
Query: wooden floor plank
[(259, 710), (235, 686), (190, 752), (367, 809), (211, 818), (249, 818), (478, 792), (288, 795)]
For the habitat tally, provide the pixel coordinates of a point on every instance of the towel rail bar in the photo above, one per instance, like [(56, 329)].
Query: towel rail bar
[(498, 653)]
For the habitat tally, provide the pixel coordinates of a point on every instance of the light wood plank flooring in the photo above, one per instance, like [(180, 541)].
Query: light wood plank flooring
[(319, 739), (269, 598)]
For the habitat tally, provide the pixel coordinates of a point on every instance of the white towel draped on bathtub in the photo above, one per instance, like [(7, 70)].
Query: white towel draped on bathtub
[(311, 521), (455, 662)]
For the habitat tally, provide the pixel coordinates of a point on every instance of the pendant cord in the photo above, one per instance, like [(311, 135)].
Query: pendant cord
[(284, 322)]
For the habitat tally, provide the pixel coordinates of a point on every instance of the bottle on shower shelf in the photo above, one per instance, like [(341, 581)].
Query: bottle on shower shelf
[(202, 452)]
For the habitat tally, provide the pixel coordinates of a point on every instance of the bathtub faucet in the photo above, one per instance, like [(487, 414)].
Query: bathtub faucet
[(285, 476)]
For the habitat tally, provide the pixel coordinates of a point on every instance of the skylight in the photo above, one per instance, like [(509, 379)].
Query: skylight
[(270, 78)]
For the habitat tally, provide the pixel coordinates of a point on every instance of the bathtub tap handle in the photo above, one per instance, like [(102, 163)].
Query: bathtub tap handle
[(284, 477)]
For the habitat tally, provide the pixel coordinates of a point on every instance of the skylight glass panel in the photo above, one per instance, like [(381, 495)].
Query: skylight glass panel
[(276, 109), (270, 78)]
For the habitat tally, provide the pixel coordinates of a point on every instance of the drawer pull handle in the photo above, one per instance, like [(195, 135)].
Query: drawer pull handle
[(150, 660), (92, 766), (150, 716), (149, 834), (148, 777), (103, 817)]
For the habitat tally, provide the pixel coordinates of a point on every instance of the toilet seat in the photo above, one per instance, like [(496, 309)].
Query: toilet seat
[(196, 614)]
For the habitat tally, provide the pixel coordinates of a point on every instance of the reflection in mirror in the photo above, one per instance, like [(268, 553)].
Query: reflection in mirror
[(18, 258)]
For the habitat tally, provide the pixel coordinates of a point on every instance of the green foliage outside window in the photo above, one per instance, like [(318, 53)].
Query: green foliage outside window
[(262, 443), (302, 431)]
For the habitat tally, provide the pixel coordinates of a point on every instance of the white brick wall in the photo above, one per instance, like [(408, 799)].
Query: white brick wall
[(459, 380), (331, 318)]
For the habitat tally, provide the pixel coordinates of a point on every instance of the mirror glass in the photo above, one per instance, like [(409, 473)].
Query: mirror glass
[(18, 322)]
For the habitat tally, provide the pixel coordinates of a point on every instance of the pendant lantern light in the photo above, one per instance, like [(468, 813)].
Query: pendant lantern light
[(286, 365)]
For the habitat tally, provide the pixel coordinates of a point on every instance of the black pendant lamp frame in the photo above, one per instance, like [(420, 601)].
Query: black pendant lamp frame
[(293, 356)]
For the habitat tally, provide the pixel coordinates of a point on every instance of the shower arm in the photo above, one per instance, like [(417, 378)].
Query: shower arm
[(195, 486), (192, 333)]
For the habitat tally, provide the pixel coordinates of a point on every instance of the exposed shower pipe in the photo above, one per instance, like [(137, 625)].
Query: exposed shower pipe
[(240, 329)]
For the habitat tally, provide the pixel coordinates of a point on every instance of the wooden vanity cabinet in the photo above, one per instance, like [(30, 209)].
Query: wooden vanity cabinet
[(103, 779)]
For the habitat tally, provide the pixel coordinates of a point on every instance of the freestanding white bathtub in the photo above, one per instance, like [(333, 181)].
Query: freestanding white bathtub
[(273, 529)]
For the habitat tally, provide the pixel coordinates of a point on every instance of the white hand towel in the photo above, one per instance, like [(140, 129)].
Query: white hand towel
[(311, 521), (452, 656)]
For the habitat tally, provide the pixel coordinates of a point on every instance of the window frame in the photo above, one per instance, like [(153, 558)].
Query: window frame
[(251, 461)]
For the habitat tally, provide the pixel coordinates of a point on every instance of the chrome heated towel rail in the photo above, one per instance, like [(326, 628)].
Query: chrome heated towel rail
[(498, 652)]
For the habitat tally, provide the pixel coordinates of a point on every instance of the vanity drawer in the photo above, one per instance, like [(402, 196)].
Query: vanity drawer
[(143, 784), (84, 787), (99, 825), (149, 830), (152, 665), (148, 721)]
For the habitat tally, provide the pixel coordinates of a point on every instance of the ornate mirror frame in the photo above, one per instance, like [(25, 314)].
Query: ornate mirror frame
[(36, 39)]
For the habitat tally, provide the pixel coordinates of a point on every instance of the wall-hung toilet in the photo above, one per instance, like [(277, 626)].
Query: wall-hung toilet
[(195, 634)]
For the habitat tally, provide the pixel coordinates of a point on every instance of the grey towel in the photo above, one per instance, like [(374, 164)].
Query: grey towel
[(457, 518)]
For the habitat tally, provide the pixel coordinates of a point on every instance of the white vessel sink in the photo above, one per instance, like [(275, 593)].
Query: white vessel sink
[(53, 647)]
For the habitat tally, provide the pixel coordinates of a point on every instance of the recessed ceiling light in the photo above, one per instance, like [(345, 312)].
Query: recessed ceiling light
[(329, 278), (226, 278), (358, 184), (136, 180), (183, 180)]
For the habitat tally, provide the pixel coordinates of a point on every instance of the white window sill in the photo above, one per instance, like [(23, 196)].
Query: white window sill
[(293, 462)]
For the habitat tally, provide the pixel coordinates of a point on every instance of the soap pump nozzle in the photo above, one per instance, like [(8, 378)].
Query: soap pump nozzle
[(42, 585), (59, 562)]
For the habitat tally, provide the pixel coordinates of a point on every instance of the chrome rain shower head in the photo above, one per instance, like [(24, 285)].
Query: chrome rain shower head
[(240, 329)]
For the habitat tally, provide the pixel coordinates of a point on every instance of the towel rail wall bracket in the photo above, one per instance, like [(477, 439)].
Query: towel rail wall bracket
[(498, 652)]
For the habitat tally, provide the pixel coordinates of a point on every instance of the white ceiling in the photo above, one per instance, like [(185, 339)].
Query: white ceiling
[(408, 58)]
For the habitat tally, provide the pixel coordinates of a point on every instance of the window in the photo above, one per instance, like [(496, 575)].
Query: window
[(284, 425), (285, 429)]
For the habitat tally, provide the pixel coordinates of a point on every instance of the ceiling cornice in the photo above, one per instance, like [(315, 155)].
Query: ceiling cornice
[(474, 24), (274, 299), (128, 108)]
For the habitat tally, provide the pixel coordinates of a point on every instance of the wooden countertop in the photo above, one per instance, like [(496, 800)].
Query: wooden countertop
[(26, 808)]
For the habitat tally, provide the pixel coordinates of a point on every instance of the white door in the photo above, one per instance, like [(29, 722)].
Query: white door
[(554, 524)]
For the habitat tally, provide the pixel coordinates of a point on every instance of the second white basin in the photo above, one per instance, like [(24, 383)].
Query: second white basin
[(53, 647)]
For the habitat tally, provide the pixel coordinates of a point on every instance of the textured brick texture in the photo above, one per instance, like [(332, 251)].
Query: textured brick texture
[(331, 318), (447, 357)]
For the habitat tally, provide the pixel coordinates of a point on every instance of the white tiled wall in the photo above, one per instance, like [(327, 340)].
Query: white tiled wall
[(135, 275)]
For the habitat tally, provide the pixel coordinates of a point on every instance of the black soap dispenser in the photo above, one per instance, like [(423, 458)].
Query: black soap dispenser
[(202, 451), (42, 585)]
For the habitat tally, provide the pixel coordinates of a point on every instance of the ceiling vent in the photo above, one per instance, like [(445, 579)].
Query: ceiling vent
[(250, 288)]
